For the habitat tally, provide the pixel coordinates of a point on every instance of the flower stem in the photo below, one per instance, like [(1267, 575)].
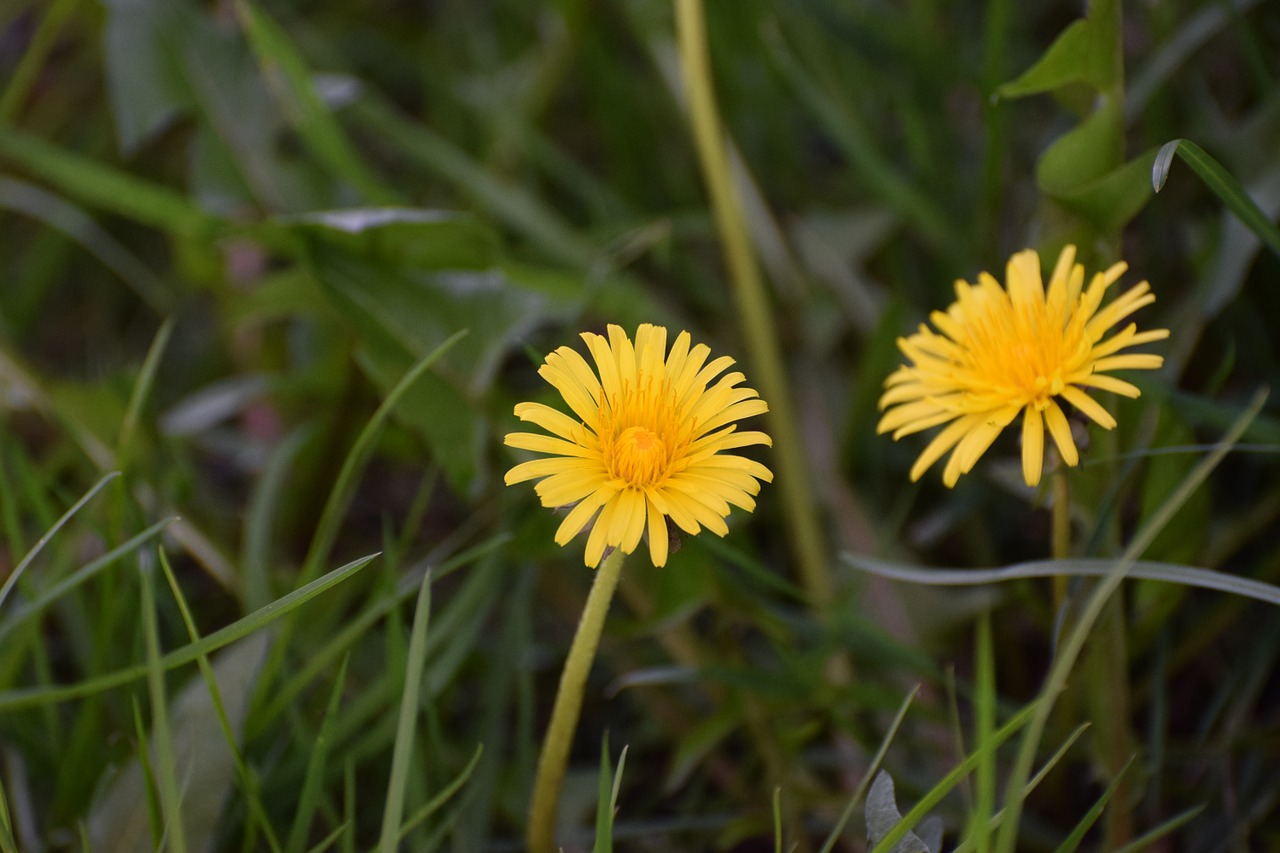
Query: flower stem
[(753, 304), (1061, 542), (564, 714)]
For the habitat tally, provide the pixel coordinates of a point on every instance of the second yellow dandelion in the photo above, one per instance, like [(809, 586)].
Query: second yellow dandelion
[(1000, 353)]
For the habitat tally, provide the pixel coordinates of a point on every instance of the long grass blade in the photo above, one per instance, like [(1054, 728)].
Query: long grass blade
[(402, 752), (1220, 181), (1076, 567), (161, 736)]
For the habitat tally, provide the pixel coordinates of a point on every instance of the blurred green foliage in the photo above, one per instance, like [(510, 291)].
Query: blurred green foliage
[(289, 205)]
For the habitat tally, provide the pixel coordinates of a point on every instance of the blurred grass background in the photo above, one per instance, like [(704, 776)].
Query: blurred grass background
[(238, 241)]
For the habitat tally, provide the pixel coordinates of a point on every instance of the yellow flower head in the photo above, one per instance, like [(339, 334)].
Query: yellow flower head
[(1002, 353), (647, 444)]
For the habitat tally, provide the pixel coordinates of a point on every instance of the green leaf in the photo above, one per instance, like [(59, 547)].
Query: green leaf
[(1087, 51), (1109, 202), (1220, 181), (404, 236), (401, 310), (1085, 153)]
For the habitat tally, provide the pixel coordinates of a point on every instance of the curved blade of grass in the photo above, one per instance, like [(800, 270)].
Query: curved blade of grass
[(1076, 567), (1070, 649), (27, 698), (78, 577), (161, 735), (1072, 841), (861, 790), (52, 531), (1220, 181), (331, 839), (432, 805), (142, 389), (248, 782), (327, 528), (402, 752), (1144, 841)]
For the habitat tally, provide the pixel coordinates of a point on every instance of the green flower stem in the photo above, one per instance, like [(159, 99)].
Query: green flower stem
[(564, 714), (753, 305)]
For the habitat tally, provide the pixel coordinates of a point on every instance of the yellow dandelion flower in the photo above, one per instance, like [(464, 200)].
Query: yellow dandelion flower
[(1002, 353), (647, 443)]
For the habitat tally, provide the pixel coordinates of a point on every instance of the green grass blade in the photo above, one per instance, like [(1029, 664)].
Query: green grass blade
[(302, 104), (1055, 683), (142, 390), (107, 188), (248, 784), (1144, 841), (524, 212), (45, 539), (604, 802), (84, 573), (24, 77), (161, 736), (834, 836), (944, 786), (1220, 181), (361, 451), (258, 619), (431, 806), (1073, 841), (402, 753), (310, 796)]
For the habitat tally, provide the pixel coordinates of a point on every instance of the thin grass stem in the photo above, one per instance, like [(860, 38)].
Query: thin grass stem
[(754, 310)]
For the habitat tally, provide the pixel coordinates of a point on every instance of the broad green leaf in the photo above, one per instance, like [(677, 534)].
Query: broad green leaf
[(1087, 51), (400, 310), (1220, 181)]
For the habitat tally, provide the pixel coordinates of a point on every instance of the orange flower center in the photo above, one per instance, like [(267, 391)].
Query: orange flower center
[(639, 456), (641, 433)]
